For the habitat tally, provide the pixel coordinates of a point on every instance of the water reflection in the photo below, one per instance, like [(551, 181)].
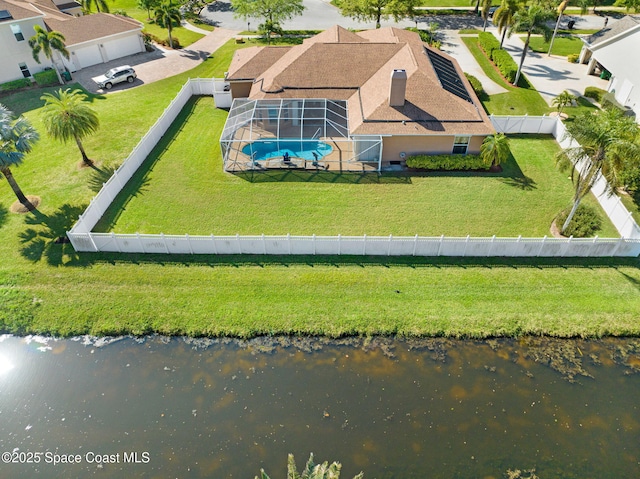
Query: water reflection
[(394, 409)]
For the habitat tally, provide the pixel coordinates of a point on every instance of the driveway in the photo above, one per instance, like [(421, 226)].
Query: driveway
[(156, 65)]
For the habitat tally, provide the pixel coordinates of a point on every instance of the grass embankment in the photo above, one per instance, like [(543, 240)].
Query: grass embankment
[(520, 100), (185, 36), (46, 287)]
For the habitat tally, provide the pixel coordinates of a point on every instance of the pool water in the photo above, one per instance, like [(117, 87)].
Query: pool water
[(262, 150)]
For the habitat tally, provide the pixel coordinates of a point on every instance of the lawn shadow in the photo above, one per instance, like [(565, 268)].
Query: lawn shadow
[(140, 181), (634, 282), (322, 176), (27, 100), (4, 214), (99, 177), (514, 176), (47, 238)]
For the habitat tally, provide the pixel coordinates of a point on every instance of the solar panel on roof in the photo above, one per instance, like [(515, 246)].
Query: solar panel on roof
[(5, 15), (448, 76)]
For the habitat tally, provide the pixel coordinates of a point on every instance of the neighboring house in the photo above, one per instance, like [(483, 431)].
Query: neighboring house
[(616, 50), (360, 101), (90, 39)]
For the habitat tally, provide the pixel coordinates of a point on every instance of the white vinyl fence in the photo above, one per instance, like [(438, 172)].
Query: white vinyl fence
[(84, 240)]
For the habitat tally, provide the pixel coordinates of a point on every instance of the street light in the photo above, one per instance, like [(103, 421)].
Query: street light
[(561, 9)]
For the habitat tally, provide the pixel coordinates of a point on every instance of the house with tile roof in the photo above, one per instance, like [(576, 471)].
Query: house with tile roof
[(90, 39), (364, 100), (616, 50)]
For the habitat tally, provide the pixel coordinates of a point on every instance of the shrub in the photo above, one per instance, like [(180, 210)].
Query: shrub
[(505, 64), (176, 43), (594, 92), (15, 84), (488, 43), (573, 58), (428, 36), (586, 222), (447, 162), (46, 77), (475, 84)]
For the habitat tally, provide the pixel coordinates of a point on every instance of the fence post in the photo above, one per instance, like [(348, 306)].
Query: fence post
[(415, 245), (440, 245), (164, 242), (493, 240), (364, 245), (466, 243), (339, 245), (115, 240), (264, 244), (567, 245), (289, 242), (617, 247), (140, 241), (213, 241), (93, 243), (541, 245), (189, 243), (389, 246), (313, 242), (238, 243)]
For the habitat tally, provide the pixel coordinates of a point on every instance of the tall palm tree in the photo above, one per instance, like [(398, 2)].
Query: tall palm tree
[(503, 17), (66, 115), (101, 5), (165, 15), (609, 142), (495, 149), (311, 470), (531, 20), (486, 5), (17, 138), (48, 42)]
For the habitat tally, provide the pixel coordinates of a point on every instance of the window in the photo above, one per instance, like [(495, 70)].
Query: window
[(24, 69), (460, 145), (17, 32)]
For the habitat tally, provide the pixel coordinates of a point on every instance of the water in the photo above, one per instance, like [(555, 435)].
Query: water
[(394, 409), (268, 149)]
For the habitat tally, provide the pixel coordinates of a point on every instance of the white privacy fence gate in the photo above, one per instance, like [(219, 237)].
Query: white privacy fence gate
[(83, 239)]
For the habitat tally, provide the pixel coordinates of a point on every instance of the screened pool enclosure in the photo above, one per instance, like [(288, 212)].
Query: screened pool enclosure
[(295, 133)]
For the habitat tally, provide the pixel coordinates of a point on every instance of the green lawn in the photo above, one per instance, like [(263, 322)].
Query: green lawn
[(186, 37), (517, 101), (300, 203), (46, 287), (562, 45)]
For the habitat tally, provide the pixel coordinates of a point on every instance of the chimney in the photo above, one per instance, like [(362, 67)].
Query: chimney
[(398, 88)]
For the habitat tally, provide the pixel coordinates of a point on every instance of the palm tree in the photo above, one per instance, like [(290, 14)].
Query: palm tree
[(495, 149), (563, 99), (48, 42), (486, 5), (311, 470), (17, 139), (101, 5), (531, 20), (147, 5), (165, 15), (503, 17), (608, 142), (67, 115)]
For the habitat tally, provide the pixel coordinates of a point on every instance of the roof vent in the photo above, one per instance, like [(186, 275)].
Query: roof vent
[(398, 88)]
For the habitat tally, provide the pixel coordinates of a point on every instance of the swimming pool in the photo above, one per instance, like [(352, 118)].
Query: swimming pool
[(268, 149)]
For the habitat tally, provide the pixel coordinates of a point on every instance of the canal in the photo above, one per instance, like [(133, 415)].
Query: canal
[(195, 408)]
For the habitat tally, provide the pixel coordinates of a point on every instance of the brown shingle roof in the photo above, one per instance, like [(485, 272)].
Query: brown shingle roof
[(91, 27), (249, 63), (19, 10), (615, 29), (338, 64)]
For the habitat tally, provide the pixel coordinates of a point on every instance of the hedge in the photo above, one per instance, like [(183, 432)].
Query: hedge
[(594, 92), (475, 84), (505, 64), (46, 77), (488, 43), (15, 84), (447, 162)]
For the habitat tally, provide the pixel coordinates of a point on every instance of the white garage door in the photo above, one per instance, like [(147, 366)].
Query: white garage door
[(87, 56), (121, 47)]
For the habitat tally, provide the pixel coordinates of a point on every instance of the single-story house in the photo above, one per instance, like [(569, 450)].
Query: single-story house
[(90, 39), (616, 50), (347, 100)]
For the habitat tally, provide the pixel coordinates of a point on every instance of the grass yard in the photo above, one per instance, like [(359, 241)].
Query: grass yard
[(45, 287), (517, 101), (185, 36), (278, 202), (562, 45)]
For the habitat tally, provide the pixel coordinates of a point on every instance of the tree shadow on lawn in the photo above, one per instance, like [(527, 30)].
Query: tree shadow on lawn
[(48, 237), (413, 262), (514, 176)]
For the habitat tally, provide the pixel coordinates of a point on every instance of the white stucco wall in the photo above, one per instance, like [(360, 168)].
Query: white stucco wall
[(14, 52)]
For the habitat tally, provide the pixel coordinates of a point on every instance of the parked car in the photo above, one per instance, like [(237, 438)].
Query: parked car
[(492, 10), (114, 76)]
